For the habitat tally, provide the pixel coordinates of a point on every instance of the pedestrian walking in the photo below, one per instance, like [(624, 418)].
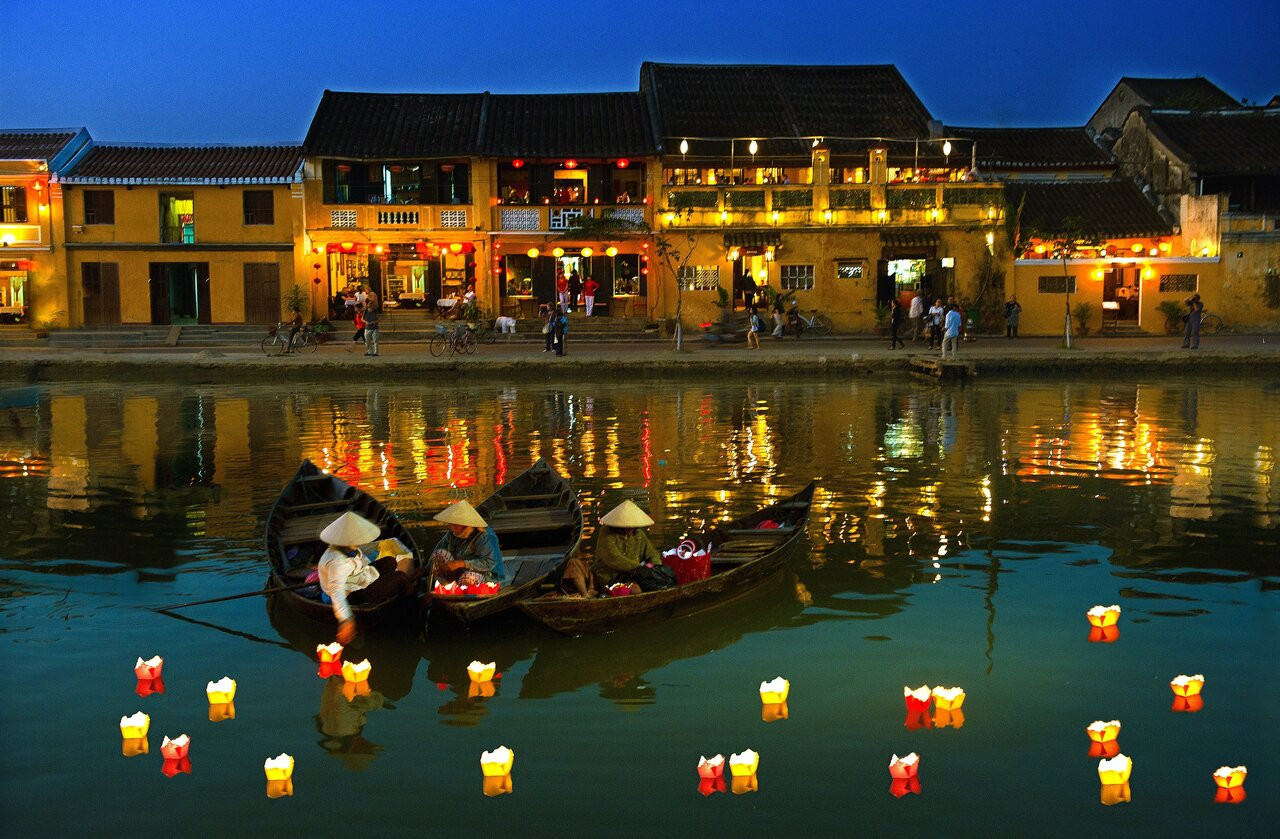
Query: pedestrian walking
[(936, 313), (895, 323), (358, 337), (1012, 310), (951, 333), (562, 289), (1191, 333), (917, 316), (754, 327), (575, 290), (372, 314), (748, 292)]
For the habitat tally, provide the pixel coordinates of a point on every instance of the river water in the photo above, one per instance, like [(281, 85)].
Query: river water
[(958, 538)]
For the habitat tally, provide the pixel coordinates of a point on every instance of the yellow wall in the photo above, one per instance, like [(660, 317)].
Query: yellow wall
[(39, 242)]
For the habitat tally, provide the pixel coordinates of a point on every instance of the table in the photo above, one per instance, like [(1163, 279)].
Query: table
[(528, 304), (415, 298), (620, 306)]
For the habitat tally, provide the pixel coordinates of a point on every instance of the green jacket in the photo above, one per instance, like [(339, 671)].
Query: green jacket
[(618, 552)]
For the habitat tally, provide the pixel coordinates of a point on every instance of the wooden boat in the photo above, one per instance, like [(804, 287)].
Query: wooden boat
[(539, 523), (307, 504), (743, 557)]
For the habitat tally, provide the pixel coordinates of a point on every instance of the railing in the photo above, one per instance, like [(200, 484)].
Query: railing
[(552, 217), (1236, 222), (425, 217), (181, 235), (838, 204)]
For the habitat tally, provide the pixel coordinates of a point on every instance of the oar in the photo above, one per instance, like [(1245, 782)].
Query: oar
[(246, 635), (273, 590)]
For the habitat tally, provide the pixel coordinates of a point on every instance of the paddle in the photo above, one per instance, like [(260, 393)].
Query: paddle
[(273, 590)]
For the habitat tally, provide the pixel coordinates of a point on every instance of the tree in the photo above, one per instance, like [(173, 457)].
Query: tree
[(1069, 236)]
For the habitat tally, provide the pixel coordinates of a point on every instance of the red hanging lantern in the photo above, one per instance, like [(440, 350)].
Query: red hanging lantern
[(571, 164), (517, 164), (623, 163)]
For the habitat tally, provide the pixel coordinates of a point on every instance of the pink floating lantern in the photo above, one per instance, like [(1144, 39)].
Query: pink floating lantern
[(149, 669), (711, 767), (175, 749), (904, 767)]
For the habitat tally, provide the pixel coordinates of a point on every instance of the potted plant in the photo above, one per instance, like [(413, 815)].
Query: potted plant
[(1082, 313), (1172, 311), (471, 313), (323, 330), (882, 319), (296, 299)]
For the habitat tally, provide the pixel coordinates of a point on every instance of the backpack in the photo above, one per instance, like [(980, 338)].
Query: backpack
[(654, 577)]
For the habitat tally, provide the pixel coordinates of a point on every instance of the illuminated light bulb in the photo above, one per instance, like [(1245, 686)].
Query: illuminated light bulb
[(136, 726), (611, 251), (497, 763), (711, 767), (1103, 615), (1164, 247), (684, 146), (669, 218), (826, 215), (279, 768), (1115, 770), (532, 253), (1137, 247), (775, 216), (904, 767), (775, 692), (753, 147), (948, 699), (480, 672), (1040, 248), (149, 669), (221, 691), (918, 699), (356, 672), (175, 749), (1187, 685), (744, 764), (946, 147), (557, 252), (724, 215)]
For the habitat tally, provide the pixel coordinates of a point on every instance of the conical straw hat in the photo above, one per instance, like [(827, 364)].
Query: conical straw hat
[(626, 514), (461, 512), (350, 529)]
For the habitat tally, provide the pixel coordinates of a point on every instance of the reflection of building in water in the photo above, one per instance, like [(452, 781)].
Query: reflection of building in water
[(69, 457), (1193, 483)]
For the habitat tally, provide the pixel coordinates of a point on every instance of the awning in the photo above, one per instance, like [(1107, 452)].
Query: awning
[(753, 239), (909, 240)]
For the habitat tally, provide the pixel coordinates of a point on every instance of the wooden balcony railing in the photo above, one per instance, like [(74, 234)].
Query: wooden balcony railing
[(549, 218), (400, 217)]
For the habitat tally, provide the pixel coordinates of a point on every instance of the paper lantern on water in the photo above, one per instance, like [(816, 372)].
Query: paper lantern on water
[(498, 762), (329, 653), (495, 785), (222, 711), (1104, 634), (481, 672), (1116, 770), (221, 691), (710, 786), (948, 719), (176, 766), (481, 690), (135, 726), (280, 789), (149, 669), (618, 590), (948, 699), (146, 687), (356, 672), (1187, 685), (904, 767), (1230, 777), (175, 749), (278, 768), (134, 746), (1115, 794), (775, 692), (774, 711), (1103, 615), (1103, 732), (711, 767), (744, 764), (918, 699), (742, 784), (899, 787)]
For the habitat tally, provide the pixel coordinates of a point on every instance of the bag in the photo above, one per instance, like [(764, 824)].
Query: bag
[(546, 329), (689, 562), (654, 577)]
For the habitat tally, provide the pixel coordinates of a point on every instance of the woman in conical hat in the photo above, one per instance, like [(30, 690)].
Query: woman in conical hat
[(468, 554), (347, 575), (621, 547)]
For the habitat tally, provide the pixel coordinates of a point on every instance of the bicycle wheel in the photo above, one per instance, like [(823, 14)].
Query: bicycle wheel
[(272, 345), (308, 342), (821, 325), (1211, 325), (489, 335), (437, 345), (468, 344)]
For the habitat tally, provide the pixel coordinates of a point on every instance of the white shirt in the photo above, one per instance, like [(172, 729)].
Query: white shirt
[(340, 575), (935, 314), (360, 297), (917, 306)]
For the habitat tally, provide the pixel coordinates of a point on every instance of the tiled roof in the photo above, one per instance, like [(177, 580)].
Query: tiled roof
[(553, 125), (186, 164), (1242, 141), (1032, 148), (776, 101), (1191, 94), (1108, 208), (33, 145), (361, 125)]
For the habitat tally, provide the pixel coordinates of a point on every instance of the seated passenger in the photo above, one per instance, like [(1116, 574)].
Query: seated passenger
[(347, 576), (621, 547), (468, 554)]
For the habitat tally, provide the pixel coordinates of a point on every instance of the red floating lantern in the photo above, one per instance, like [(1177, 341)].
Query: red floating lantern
[(917, 700), (517, 164), (623, 163)]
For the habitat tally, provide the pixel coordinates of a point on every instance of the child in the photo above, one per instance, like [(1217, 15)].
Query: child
[(754, 329)]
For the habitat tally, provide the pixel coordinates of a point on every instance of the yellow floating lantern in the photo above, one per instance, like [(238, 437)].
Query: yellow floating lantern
[(329, 653), (221, 691), (775, 692), (1115, 794), (175, 749), (1115, 770), (1103, 615), (136, 726), (1230, 777), (948, 699), (1103, 732), (1187, 685), (358, 672), (222, 711), (744, 764), (280, 789), (481, 672), (149, 669), (497, 763), (134, 746), (774, 711), (495, 785), (744, 784), (278, 768)]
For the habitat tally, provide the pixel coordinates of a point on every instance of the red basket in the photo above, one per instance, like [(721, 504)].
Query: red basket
[(689, 569)]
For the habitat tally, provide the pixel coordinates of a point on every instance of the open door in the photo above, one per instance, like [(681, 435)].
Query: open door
[(204, 309), (159, 284)]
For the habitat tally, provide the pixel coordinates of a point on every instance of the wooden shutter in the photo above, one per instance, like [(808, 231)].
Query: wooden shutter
[(261, 292), (544, 279), (159, 281), (884, 282), (204, 313), (602, 273)]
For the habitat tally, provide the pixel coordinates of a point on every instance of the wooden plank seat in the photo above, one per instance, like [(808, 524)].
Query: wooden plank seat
[(306, 529), (509, 520), (771, 534), (333, 503)]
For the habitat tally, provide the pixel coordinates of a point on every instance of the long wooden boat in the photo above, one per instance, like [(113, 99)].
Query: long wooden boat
[(307, 504), (744, 556), (539, 523)]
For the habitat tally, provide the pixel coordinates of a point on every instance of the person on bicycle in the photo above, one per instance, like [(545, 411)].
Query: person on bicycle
[(295, 326)]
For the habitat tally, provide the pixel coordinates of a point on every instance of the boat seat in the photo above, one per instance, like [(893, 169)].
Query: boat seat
[(316, 505), (769, 533), (305, 529), (533, 568), (508, 521)]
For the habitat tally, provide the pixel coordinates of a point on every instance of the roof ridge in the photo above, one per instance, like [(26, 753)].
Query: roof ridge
[(131, 144)]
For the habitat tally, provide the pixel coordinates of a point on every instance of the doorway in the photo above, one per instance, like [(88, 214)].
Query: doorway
[(1121, 293), (180, 293), (750, 273)]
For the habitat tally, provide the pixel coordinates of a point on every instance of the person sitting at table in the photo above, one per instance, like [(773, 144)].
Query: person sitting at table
[(348, 577), (468, 554), (621, 547), (624, 197), (470, 296)]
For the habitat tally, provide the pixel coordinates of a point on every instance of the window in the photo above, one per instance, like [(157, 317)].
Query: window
[(1056, 284), (177, 218), (797, 277), (849, 269), (396, 182), (1179, 283), (13, 204), (99, 206), (700, 277), (259, 206)]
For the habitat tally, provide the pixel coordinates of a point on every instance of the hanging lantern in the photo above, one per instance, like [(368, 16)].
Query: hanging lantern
[(493, 786), (946, 148), (586, 253), (753, 147), (175, 749), (481, 672), (135, 727), (904, 767), (611, 251), (222, 711), (571, 164), (1187, 685), (279, 768), (517, 164), (497, 763), (711, 768), (1137, 247), (684, 147), (356, 672), (744, 764), (1116, 770), (557, 252), (223, 690), (623, 163), (948, 699), (918, 699), (149, 669), (455, 247), (532, 253), (775, 692)]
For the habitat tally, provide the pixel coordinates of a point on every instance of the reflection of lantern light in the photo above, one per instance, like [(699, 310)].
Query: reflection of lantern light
[(774, 711), (494, 785), (1115, 794), (1230, 776), (711, 767), (948, 719), (175, 749), (1104, 634), (1108, 749), (1188, 704), (135, 726), (498, 762), (221, 691), (917, 719), (481, 672), (899, 787), (1103, 615), (611, 251), (149, 669), (710, 786), (176, 766), (280, 789), (948, 699), (557, 252), (1229, 795), (1188, 685), (350, 690), (775, 692), (481, 690), (279, 768), (532, 253), (904, 767), (134, 746), (742, 784), (1116, 770), (356, 672), (222, 711), (1103, 732), (918, 699), (744, 764), (146, 687)]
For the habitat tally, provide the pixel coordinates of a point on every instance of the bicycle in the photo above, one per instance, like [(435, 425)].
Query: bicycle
[(1210, 324), (484, 333), (815, 322), (458, 340), (277, 340)]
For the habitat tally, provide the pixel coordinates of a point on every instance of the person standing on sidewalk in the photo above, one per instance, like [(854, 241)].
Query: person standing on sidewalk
[(562, 289), (935, 316), (372, 314), (1191, 334), (1012, 310), (589, 294), (559, 328), (951, 333), (917, 315), (895, 323)]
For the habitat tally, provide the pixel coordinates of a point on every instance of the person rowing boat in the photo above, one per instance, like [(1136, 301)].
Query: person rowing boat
[(468, 554), (622, 547), (347, 576)]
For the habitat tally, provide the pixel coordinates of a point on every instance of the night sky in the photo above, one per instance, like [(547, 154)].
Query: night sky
[(253, 70)]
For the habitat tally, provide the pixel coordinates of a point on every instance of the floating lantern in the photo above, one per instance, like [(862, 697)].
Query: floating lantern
[(146, 687), (176, 766), (481, 672), (356, 672), (710, 786), (481, 690), (743, 784), (1104, 634), (619, 590), (1188, 704), (495, 785), (498, 762), (329, 668), (175, 749), (279, 768), (149, 669), (135, 726), (904, 767), (221, 691), (222, 711), (1116, 770), (712, 767), (744, 764), (1103, 732), (948, 699), (899, 787), (1230, 777), (280, 789), (918, 699), (329, 653), (134, 746), (1115, 794), (774, 711), (1187, 685), (948, 719), (775, 692), (1103, 615)]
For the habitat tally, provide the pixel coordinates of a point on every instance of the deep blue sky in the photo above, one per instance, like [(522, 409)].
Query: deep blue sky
[(253, 70)]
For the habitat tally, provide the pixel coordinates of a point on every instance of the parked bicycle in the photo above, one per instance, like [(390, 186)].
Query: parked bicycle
[(799, 322), (1210, 323), (484, 332), (277, 340), (460, 339)]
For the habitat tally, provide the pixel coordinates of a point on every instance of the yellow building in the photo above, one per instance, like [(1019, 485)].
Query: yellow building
[(171, 235), (32, 268)]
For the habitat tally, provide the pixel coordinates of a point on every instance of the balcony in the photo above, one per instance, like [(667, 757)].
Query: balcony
[(21, 236), (551, 218), (398, 217)]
